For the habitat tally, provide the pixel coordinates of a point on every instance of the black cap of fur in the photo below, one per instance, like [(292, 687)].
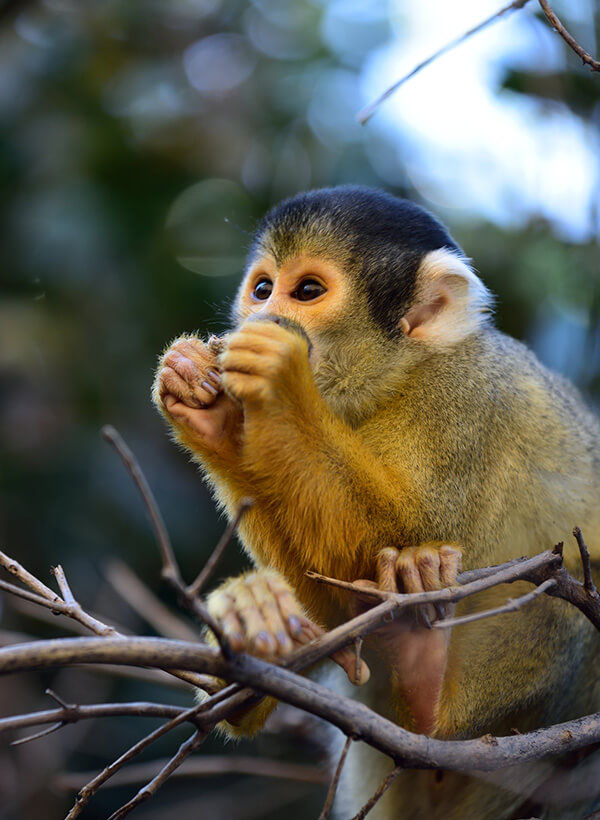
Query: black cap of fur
[(382, 237)]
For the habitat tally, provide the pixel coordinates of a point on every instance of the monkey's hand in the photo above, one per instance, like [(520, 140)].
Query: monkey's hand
[(267, 363), (260, 615), (187, 390), (418, 654)]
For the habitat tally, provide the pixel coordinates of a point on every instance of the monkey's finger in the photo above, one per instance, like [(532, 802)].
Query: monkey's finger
[(428, 564), (386, 569), (207, 367), (171, 382), (204, 386), (450, 564), (267, 603), (246, 361), (257, 634), (408, 571), (289, 608), (411, 580), (361, 603), (222, 608), (254, 343)]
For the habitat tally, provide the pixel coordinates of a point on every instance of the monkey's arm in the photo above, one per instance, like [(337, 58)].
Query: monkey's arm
[(317, 472)]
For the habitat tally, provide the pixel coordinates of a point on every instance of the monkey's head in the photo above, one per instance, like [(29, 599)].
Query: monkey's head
[(375, 282)]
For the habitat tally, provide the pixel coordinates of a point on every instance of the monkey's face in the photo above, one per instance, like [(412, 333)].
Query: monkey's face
[(319, 295), (310, 291)]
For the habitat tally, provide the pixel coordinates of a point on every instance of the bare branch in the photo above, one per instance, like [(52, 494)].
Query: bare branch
[(19, 571), (366, 113), (512, 605), (387, 782), (568, 38), (170, 569), (196, 586), (145, 603), (186, 749), (204, 766), (586, 563), (412, 751), (169, 564), (335, 780), (63, 585)]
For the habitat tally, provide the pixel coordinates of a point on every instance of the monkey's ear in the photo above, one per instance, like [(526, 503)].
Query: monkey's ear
[(450, 302)]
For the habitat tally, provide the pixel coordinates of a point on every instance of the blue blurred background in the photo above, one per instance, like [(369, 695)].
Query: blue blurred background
[(139, 144)]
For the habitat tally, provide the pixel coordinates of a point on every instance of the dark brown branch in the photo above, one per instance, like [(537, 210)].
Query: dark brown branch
[(186, 749), (334, 781), (412, 751), (386, 783), (366, 113), (568, 38)]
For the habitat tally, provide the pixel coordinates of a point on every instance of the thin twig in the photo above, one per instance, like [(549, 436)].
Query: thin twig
[(512, 605), (170, 571), (568, 38), (19, 571), (358, 642), (586, 563), (198, 584), (186, 749), (42, 733), (387, 782), (204, 766), (169, 564), (366, 113), (63, 585), (146, 604), (334, 781), (73, 713)]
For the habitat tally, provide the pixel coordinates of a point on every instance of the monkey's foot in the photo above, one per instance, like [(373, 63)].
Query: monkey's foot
[(418, 654), (260, 615)]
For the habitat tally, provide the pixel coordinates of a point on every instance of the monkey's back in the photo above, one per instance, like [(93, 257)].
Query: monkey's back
[(508, 457)]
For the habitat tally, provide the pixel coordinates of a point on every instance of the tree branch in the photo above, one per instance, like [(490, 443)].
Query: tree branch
[(367, 112), (412, 751), (554, 21)]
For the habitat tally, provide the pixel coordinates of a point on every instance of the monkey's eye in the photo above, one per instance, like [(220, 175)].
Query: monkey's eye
[(263, 289), (307, 290)]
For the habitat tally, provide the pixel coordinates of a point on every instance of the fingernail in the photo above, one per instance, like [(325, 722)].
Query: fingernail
[(283, 640), (295, 625), (440, 611), (264, 643), (215, 376), (424, 617), (209, 388)]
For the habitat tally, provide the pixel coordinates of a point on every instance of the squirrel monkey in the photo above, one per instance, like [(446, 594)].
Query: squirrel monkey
[(387, 432)]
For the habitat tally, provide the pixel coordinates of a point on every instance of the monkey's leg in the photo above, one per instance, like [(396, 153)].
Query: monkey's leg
[(417, 654), (261, 616)]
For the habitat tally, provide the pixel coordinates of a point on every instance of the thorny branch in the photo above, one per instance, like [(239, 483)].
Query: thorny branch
[(250, 676), (367, 112)]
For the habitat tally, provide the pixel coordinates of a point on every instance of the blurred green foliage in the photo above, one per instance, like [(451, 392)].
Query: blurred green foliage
[(139, 144)]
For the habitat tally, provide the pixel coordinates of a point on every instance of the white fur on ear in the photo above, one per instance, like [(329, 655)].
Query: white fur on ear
[(451, 302)]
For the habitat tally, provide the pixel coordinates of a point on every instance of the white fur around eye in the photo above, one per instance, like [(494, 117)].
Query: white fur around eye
[(466, 303)]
